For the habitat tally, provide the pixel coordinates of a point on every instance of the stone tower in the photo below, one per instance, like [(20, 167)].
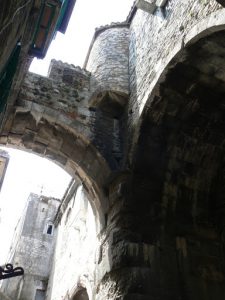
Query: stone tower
[(32, 248)]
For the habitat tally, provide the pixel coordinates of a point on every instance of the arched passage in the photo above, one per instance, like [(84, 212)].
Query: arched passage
[(178, 174), (212, 23), (64, 146)]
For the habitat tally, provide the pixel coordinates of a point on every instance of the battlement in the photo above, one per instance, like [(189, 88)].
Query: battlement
[(59, 70)]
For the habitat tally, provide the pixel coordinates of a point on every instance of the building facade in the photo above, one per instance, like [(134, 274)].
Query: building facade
[(32, 248), (76, 249), (56, 244)]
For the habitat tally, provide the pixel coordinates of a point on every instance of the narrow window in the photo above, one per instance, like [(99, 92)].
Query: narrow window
[(49, 229)]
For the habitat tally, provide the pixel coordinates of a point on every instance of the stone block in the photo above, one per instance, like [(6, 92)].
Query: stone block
[(3, 140), (74, 148), (14, 139), (38, 147), (55, 156)]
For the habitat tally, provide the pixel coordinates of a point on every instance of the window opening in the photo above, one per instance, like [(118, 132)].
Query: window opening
[(50, 229)]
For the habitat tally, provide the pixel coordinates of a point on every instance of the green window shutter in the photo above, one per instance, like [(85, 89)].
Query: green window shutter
[(6, 76)]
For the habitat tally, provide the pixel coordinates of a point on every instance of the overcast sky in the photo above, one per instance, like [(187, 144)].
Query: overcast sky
[(27, 173)]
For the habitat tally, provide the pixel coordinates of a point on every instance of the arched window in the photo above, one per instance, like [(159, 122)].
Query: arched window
[(81, 295)]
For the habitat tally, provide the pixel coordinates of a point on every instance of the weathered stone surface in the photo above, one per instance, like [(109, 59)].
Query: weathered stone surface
[(144, 131), (150, 53), (58, 101), (74, 259), (107, 59)]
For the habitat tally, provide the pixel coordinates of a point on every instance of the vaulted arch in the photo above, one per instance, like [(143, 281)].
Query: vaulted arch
[(178, 174), (212, 23)]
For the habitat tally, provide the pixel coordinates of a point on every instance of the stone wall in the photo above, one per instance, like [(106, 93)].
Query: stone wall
[(154, 40), (162, 221), (64, 98), (65, 92), (61, 103), (75, 253)]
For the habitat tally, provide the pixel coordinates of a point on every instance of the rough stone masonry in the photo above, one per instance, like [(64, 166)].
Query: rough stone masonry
[(142, 126)]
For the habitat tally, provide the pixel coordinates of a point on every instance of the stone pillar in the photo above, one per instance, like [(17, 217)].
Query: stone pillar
[(125, 262), (146, 255)]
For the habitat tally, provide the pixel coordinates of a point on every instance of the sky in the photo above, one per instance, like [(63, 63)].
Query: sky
[(29, 173)]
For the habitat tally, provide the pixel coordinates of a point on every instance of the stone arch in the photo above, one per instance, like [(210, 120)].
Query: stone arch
[(177, 101), (213, 23), (63, 145), (179, 169)]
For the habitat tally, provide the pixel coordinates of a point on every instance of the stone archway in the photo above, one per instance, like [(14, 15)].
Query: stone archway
[(212, 23), (52, 117), (81, 295), (64, 146), (175, 188)]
